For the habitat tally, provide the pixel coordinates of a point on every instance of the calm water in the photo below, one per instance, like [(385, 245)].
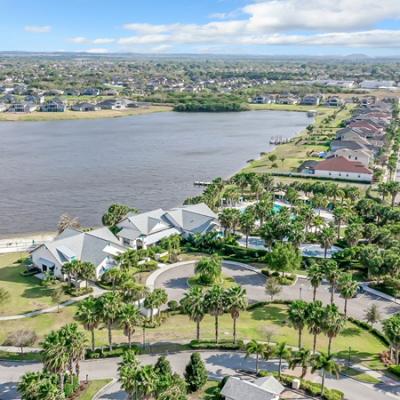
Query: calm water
[(149, 161)]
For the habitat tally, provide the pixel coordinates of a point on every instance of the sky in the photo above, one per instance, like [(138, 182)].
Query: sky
[(259, 27)]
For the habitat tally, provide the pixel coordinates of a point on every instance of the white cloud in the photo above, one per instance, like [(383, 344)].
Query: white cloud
[(103, 41), (346, 23), (84, 40), (324, 15), (163, 48), (97, 51), (79, 40), (37, 28)]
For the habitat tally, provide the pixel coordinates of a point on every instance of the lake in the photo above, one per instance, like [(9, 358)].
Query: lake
[(149, 161)]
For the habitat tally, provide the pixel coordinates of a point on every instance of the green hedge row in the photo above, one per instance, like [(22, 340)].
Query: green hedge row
[(311, 388), (395, 370), (222, 345), (117, 351)]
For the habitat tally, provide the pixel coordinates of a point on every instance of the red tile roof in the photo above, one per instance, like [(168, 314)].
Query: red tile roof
[(341, 164)]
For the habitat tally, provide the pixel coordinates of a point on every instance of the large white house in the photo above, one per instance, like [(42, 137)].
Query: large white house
[(146, 229), (98, 246)]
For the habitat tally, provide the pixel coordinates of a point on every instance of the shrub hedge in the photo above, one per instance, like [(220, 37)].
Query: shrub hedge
[(311, 388), (395, 370), (117, 351), (222, 345)]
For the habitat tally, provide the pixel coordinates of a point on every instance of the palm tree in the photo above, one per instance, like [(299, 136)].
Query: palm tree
[(247, 222), (75, 346), (340, 214), (86, 271), (348, 289), (132, 292), (146, 380), (150, 303), (282, 352), (113, 276), (325, 364), (128, 259), (39, 385), (71, 269), (393, 188), (236, 301), (194, 306), (263, 208), (55, 356), (160, 298), (215, 300), (209, 269), (297, 317), (333, 323), (391, 328), (129, 318), (259, 349), (326, 238), (89, 315), (257, 188), (332, 274), (316, 275), (110, 308), (127, 371), (301, 358), (315, 316)]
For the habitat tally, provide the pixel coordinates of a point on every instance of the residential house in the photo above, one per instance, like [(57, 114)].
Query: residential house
[(341, 168), (263, 100), (146, 229), (364, 156), (23, 107), (72, 92), (267, 388), (287, 99), (98, 246), (31, 98), (310, 100), (334, 101), (55, 105), (85, 107), (90, 92), (114, 104)]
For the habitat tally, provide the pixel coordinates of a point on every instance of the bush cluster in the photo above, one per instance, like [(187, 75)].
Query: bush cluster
[(311, 388)]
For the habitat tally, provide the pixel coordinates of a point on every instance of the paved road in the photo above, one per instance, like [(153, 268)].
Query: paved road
[(218, 363), (175, 282)]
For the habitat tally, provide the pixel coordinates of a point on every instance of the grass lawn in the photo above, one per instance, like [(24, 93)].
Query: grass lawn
[(56, 116), (92, 388), (360, 376), (261, 323), (208, 392), (26, 292), (225, 281), (289, 156)]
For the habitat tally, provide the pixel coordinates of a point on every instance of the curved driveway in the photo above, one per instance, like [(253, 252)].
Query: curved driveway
[(174, 280)]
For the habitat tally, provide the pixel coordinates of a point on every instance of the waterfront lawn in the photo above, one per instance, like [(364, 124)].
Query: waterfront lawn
[(67, 115), (26, 292), (262, 323)]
